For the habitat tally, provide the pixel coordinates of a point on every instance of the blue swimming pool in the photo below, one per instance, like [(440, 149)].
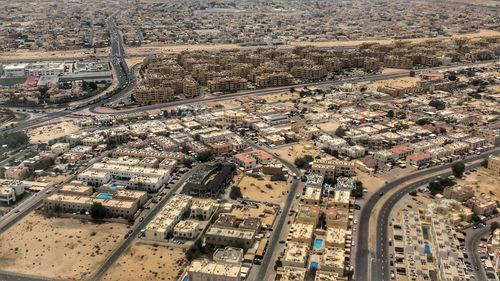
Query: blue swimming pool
[(318, 244), (314, 265), (427, 249), (104, 196)]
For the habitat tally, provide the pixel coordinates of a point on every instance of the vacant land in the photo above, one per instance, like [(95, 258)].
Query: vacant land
[(41, 134), (267, 214), (282, 97), (396, 83), (388, 70), (263, 189), (328, 127), (37, 55), (160, 48), (148, 262), (61, 248), (482, 181), (370, 182), (291, 152)]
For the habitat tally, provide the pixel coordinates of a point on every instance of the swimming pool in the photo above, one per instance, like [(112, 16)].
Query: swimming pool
[(314, 264), (427, 249), (318, 244), (104, 196)]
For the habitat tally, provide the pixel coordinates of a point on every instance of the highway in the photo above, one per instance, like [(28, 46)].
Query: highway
[(378, 261), (11, 276), (472, 241), (127, 82)]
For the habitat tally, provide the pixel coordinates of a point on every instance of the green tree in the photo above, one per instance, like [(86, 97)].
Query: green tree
[(340, 132), (452, 76), (97, 211), (458, 169), (412, 73), (303, 162), (204, 156), (278, 177), (322, 221), (437, 104), (435, 187), (446, 182), (194, 251), (494, 225), (357, 192), (476, 218), (235, 192)]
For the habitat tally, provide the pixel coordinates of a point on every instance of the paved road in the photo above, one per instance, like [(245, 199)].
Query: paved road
[(374, 266), (125, 243), (30, 204), (126, 82), (127, 75), (472, 241), (267, 264), (10, 276)]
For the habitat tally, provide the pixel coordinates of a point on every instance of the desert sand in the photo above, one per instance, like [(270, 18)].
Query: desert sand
[(148, 262), (61, 248)]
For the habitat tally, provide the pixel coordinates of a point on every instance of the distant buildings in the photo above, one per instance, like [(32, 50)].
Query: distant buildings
[(10, 191)]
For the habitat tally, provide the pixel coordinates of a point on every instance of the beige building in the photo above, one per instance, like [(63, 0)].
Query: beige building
[(227, 84), (334, 260), (205, 270), (494, 164), (296, 254), (300, 232), (164, 222), (334, 168), (187, 229), (10, 190), (458, 192)]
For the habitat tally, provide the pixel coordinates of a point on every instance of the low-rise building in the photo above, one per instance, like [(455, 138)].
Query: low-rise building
[(10, 190), (419, 159), (300, 232), (334, 168), (187, 229), (458, 192), (296, 254), (206, 270)]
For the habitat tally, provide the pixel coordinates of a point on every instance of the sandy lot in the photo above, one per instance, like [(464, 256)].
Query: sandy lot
[(230, 104), (52, 180), (159, 48), (267, 214), (263, 189), (370, 182), (40, 134), (399, 82), (291, 152), (286, 96), (133, 61), (328, 127), (393, 70), (147, 262), (24, 54), (482, 181), (480, 34), (58, 248)]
